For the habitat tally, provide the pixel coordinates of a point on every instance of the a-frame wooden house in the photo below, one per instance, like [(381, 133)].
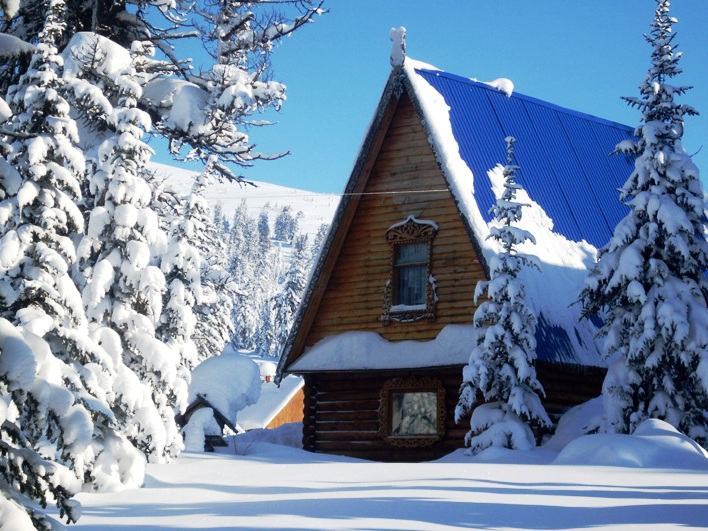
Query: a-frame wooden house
[(386, 324)]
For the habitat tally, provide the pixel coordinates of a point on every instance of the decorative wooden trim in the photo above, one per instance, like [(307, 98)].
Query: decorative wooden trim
[(413, 384), (410, 231)]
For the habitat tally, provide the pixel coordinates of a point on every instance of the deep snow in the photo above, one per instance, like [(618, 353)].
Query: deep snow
[(263, 483)]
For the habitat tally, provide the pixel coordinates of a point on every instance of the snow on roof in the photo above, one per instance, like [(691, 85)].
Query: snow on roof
[(368, 350), (564, 155), (569, 183), (272, 400)]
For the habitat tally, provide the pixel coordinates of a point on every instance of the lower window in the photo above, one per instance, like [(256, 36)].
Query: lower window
[(414, 414), (412, 411)]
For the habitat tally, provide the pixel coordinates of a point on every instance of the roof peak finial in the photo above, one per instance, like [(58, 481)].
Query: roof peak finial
[(398, 48)]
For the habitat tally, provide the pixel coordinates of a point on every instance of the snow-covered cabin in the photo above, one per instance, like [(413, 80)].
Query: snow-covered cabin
[(386, 324)]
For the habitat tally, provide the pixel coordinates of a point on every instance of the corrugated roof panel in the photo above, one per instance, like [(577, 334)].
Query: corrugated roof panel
[(537, 175), (619, 168), (563, 154), (596, 181), (470, 115), (560, 163)]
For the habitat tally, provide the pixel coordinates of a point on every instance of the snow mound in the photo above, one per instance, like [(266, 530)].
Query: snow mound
[(655, 444), (578, 421), (285, 435), (502, 84), (229, 383)]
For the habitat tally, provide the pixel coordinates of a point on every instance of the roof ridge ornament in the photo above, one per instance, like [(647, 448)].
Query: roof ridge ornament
[(397, 58), (398, 48)]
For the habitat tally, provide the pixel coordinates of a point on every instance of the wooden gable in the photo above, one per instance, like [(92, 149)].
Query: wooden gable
[(399, 178)]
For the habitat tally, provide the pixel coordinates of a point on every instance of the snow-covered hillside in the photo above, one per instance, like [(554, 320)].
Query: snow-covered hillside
[(317, 208)]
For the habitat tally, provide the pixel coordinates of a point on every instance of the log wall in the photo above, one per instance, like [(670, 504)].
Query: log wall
[(342, 416), (341, 410)]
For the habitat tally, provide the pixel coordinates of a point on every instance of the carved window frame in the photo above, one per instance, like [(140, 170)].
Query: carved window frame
[(410, 231), (386, 410)]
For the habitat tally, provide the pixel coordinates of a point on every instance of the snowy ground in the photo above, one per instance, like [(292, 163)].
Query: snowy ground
[(262, 483)]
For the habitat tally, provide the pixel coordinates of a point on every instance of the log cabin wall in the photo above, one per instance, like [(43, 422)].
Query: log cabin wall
[(342, 410), (342, 416), (405, 180), (568, 385)]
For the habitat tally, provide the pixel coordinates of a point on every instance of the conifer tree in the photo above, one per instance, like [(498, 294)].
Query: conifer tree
[(214, 299), (501, 367), (32, 408), (649, 284), (124, 288), (288, 299), (39, 218)]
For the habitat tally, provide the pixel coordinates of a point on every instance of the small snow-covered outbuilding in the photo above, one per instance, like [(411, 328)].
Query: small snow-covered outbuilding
[(386, 323)]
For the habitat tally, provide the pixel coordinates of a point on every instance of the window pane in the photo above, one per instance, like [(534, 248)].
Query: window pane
[(414, 413), (411, 253), (412, 285)]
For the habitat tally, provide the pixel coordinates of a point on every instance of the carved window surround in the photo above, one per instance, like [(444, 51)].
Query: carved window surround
[(412, 412), (411, 232)]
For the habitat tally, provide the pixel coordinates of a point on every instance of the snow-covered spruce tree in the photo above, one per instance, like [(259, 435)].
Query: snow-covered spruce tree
[(31, 390), (32, 397), (39, 222), (285, 227), (649, 282), (320, 238), (181, 264), (290, 295), (501, 367), (251, 282), (124, 286), (214, 327)]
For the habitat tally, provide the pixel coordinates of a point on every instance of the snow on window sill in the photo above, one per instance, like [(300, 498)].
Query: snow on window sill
[(400, 308)]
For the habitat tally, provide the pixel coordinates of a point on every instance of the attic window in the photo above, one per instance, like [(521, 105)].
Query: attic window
[(412, 411), (410, 291)]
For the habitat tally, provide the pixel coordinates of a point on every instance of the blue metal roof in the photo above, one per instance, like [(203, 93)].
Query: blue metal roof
[(564, 155)]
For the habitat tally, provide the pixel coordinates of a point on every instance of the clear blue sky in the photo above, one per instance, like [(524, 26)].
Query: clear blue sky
[(581, 54)]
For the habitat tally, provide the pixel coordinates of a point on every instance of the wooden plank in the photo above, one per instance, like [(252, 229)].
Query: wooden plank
[(323, 436), (348, 405), (344, 395), (348, 426), (355, 415), (375, 139)]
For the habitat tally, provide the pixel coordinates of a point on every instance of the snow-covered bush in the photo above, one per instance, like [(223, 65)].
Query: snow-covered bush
[(229, 383)]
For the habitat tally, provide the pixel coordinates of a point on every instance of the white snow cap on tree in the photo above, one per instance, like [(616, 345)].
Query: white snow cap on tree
[(398, 48)]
